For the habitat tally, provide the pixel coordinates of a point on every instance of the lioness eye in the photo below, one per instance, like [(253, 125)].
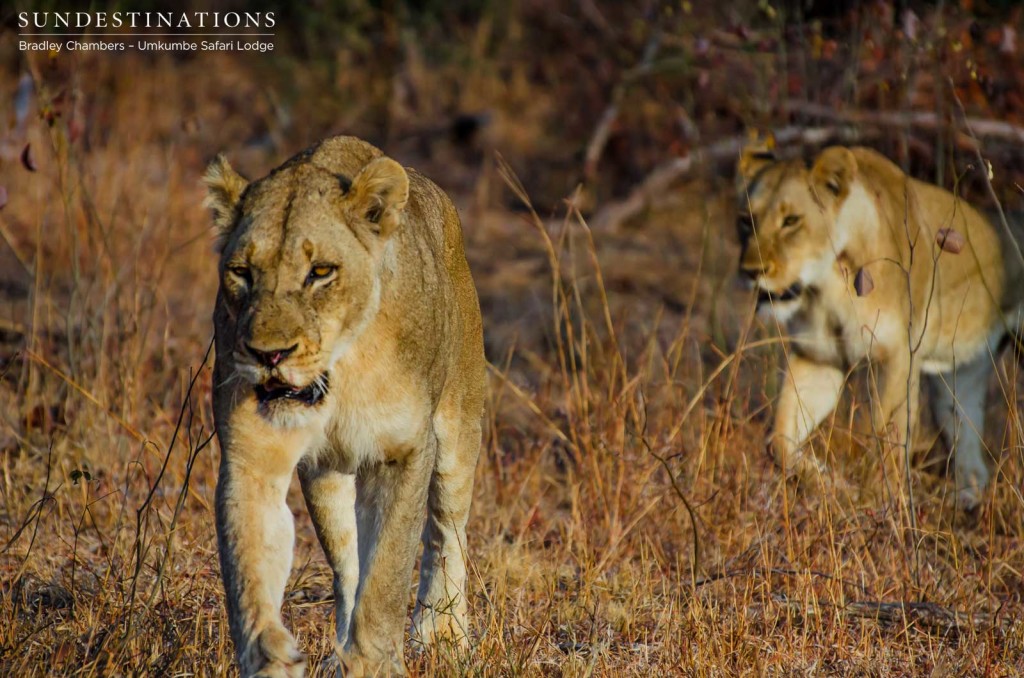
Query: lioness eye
[(373, 215), (745, 223), (241, 272), (791, 220), (320, 272)]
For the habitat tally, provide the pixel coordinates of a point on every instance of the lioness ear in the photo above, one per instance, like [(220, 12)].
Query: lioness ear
[(833, 172), (757, 153), (378, 195), (224, 188)]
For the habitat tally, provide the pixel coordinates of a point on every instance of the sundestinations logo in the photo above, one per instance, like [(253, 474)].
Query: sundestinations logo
[(121, 31)]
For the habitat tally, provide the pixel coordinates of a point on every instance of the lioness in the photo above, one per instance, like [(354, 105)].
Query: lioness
[(349, 346), (862, 263)]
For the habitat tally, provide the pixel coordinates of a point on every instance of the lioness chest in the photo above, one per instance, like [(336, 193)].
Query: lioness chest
[(379, 414), (837, 327)]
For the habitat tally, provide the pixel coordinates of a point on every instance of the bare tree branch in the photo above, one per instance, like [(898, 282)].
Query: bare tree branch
[(724, 150), (727, 150), (982, 128)]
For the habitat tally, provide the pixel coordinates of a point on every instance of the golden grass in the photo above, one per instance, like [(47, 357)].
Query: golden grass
[(606, 418)]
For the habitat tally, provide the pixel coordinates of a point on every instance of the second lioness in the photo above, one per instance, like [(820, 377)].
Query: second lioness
[(850, 255), (349, 346)]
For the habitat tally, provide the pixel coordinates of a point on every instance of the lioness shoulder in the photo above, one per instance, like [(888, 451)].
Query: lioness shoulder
[(862, 264), (349, 347)]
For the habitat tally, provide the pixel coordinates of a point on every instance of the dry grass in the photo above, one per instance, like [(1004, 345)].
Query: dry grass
[(626, 521)]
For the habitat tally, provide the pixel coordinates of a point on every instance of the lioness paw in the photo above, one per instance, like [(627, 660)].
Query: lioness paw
[(355, 665), (794, 461), (277, 656), (431, 626)]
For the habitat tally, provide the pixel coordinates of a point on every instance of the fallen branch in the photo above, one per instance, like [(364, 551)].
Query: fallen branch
[(981, 128), (926, 615), (777, 571), (929, 617), (726, 150)]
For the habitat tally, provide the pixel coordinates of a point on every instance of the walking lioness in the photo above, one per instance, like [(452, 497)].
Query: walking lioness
[(862, 263), (349, 347)]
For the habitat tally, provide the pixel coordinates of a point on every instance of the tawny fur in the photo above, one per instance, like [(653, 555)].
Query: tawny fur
[(348, 269), (918, 309)]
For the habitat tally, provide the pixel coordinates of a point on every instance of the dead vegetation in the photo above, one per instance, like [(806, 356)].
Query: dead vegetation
[(627, 520)]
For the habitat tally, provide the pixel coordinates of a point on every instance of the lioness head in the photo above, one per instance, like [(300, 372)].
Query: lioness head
[(787, 213), (302, 254)]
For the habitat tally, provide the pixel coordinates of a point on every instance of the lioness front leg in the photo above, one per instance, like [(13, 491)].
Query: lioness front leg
[(441, 600), (810, 392), (391, 503), (256, 534), (331, 499)]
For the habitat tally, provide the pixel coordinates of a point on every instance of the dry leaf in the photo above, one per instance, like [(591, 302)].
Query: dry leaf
[(863, 283), (3, 197), (950, 240), (26, 158)]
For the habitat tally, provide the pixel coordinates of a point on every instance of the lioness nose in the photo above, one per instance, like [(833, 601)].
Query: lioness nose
[(272, 357), (751, 269)]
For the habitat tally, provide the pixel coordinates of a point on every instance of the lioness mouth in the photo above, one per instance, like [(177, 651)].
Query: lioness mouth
[(276, 390), (788, 294)]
